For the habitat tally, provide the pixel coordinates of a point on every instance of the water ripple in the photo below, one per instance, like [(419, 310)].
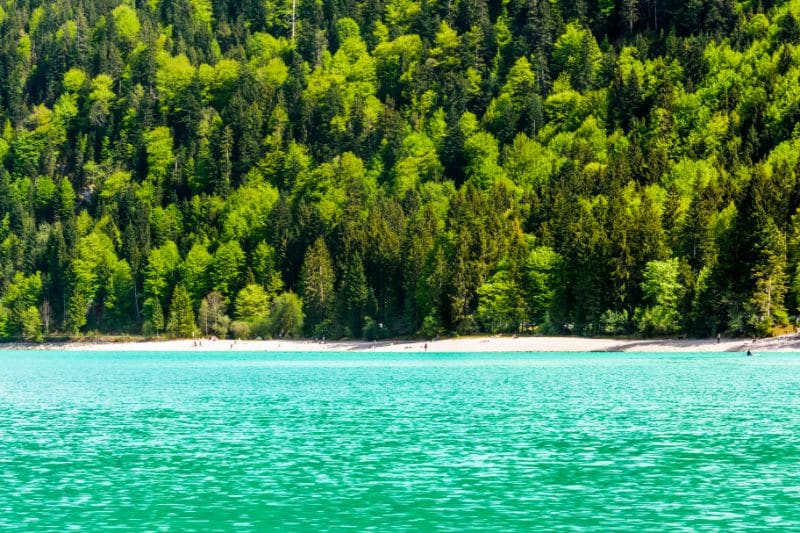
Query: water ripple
[(457, 442)]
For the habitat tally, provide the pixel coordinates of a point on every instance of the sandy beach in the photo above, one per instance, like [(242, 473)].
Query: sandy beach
[(788, 343)]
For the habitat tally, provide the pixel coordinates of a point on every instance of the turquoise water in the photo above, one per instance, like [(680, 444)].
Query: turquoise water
[(398, 442)]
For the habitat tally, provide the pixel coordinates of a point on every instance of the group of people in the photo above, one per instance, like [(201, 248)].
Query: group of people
[(199, 342)]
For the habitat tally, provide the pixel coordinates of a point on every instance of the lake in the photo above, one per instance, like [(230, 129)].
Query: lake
[(400, 442)]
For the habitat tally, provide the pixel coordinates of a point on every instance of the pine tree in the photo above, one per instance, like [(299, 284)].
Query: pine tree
[(154, 315), (631, 13), (181, 316), (317, 284), (769, 279), (353, 296)]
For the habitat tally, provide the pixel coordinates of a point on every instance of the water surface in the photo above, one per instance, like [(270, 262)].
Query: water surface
[(401, 442)]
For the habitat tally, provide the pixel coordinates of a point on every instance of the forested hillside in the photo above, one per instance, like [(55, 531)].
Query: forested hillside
[(399, 167)]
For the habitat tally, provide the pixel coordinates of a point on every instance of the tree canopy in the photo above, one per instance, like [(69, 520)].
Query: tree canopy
[(398, 167)]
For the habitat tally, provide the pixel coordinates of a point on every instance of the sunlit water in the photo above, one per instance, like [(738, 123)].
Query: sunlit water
[(398, 442)]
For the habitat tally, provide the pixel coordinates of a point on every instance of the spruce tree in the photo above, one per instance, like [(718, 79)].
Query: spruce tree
[(181, 316), (353, 296), (317, 284)]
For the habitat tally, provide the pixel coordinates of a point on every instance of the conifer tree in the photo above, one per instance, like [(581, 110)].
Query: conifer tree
[(353, 296), (317, 285), (181, 316)]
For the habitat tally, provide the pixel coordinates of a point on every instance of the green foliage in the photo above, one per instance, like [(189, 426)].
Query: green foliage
[(248, 209), (20, 316), (227, 267), (240, 329), (501, 306), (181, 316), (212, 317), (202, 11), (317, 286), (173, 75), (432, 168), (100, 282), (482, 154), (374, 330), (160, 275), (75, 79), (195, 271), (614, 322), (542, 270), (252, 303), (353, 297), (159, 154), (31, 324), (126, 23), (662, 290), (154, 313), (576, 53), (264, 268), (286, 316)]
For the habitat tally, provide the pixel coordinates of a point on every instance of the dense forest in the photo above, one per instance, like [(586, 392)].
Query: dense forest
[(375, 168)]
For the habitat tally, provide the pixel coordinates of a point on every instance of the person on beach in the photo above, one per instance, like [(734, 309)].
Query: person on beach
[(749, 353)]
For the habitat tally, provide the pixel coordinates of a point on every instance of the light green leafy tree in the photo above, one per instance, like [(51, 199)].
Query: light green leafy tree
[(160, 274), (482, 153), (501, 305), (662, 291), (173, 76), (195, 271), (576, 53), (126, 23), (99, 281), (101, 96), (247, 210), (162, 266), (263, 265), (227, 268), (252, 303), (542, 270), (286, 315), (160, 158), (212, 315), (20, 306)]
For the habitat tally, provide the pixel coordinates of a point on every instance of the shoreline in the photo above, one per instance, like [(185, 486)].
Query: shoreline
[(485, 344)]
